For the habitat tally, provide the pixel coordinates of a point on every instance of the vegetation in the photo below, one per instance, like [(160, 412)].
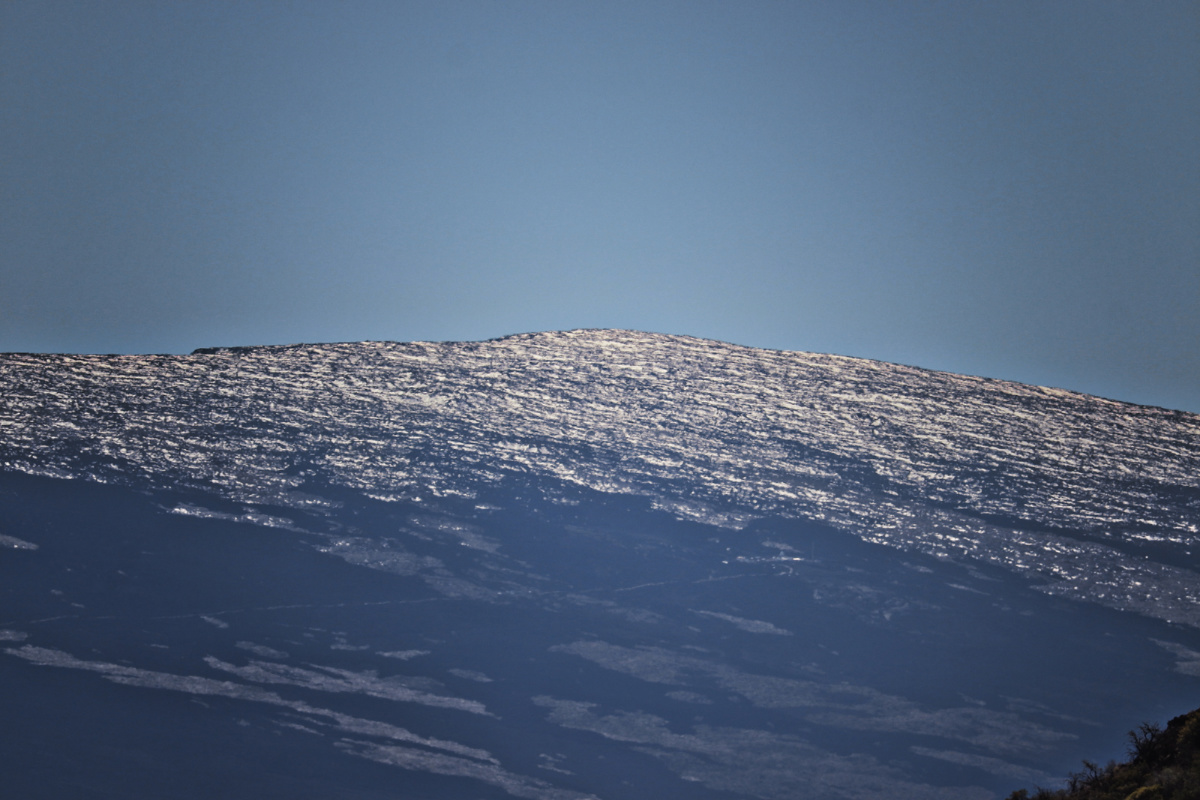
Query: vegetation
[(1164, 764)]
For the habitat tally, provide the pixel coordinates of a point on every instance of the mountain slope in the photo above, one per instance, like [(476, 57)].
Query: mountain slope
[(581, 564), (1071, 488), (1164, 764)]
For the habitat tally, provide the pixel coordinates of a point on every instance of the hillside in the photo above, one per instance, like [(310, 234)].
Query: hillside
[(578, 565), (1099, 500), (1164, 764)]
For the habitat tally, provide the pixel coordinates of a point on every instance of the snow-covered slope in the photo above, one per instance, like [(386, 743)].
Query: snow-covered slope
[(592, 564), (1091, 498)]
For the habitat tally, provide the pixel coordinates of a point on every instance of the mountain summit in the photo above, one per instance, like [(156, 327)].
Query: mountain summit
[(589, 563)]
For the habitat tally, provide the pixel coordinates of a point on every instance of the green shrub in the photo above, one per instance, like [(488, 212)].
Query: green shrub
[(1164, 764)]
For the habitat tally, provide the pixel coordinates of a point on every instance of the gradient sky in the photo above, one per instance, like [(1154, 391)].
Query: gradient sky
[(1009, 189)]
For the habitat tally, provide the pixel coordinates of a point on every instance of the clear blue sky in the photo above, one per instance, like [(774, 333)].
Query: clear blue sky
[(1009, 189)]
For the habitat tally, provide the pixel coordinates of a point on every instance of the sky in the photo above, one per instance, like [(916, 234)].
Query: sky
[(1008, 189)]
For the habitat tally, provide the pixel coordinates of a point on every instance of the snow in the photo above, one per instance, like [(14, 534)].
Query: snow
[(708, 431)]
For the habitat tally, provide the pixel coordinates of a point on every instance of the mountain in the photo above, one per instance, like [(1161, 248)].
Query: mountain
[(581, 564)]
